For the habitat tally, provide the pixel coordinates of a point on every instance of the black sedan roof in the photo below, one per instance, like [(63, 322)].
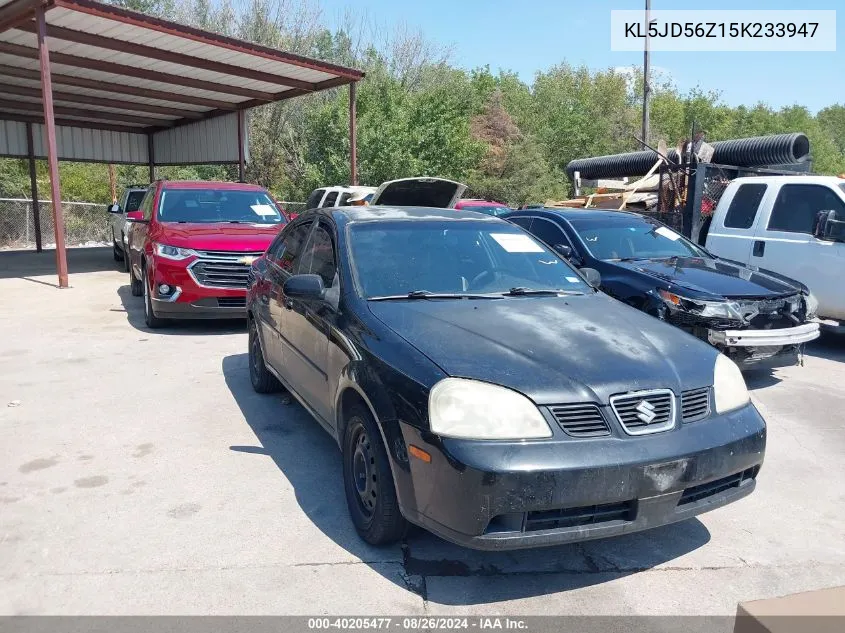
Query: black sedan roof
[(345, 215)]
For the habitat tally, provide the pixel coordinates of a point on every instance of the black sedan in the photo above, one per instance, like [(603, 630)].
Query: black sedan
[(757, 318), (480, 387)]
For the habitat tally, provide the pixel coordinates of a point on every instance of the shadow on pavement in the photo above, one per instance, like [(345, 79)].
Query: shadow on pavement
[(310, 460), (27, 264), (134, 308), (830, 345)]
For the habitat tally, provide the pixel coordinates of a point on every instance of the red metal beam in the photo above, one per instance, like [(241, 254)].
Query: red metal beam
[(16, 12), (161, 54), (25, 91), (29, 106), (138, 73), (86, 125), (353, 135), (52, 156), (180, 30), (33, 187), (114, 88)]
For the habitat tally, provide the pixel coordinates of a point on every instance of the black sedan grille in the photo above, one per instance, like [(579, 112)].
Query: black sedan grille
[(645, 412), (580, 420), (573, 517), (695, 404), (222, 269)]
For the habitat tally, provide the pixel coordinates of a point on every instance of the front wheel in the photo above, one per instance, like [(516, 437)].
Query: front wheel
[(368, 482), (260, 377), (150, 318)]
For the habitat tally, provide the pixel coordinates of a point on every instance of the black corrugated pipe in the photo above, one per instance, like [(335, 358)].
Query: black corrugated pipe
[(758, 151)]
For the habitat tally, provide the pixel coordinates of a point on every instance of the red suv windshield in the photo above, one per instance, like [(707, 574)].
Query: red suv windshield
[(217, 205)]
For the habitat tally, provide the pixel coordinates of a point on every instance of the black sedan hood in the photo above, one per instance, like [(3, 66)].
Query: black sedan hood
[(715, 277), (553, 349)]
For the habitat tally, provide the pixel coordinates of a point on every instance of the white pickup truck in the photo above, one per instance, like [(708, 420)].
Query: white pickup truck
[(792, 225)]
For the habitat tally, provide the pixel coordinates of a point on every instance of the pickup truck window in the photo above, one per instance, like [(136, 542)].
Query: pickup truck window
[(133, 200), (743, 208), (330, 199), (797, 206)]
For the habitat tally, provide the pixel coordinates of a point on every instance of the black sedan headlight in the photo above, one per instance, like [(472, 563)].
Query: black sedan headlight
[(729, 310)]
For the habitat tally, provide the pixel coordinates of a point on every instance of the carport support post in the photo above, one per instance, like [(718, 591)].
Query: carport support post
[(151, 159), (241, 146), (52, 158), (353, 135), (33, 185)]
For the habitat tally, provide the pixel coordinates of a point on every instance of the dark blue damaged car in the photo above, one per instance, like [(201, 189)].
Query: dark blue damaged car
[(480, 387)]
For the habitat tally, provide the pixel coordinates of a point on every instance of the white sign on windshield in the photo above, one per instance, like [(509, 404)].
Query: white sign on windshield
[(662, 230), (263, 210), (516, 243)]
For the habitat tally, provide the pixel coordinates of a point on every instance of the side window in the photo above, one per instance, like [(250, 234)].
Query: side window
[(330, 199), (549, 232), (743, 208), (797, 207), (344, 198), (319, 256), (286, 254), (523, 222), (314, 198), (147, 203)]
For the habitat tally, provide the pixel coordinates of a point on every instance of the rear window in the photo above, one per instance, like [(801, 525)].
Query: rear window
[(133, 200), (314, 198), (744, 206), (330, 199)]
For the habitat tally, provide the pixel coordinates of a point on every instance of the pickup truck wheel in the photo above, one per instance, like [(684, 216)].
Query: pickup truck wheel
[(117, 252), (368, 482), (260, 377), (125, 251), (150, 318)]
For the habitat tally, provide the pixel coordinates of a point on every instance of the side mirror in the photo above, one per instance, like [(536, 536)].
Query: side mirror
[(592, 276), (114, 208), (305, 287), (135, 216), (832, 228), (563, 250)]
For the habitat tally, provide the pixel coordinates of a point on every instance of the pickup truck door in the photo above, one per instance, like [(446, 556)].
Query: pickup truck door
[(785, 243), (736, 219)]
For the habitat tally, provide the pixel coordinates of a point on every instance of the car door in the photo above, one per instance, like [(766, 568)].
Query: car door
[(306, 325), (282, 266), (787, 245), (732, 235)]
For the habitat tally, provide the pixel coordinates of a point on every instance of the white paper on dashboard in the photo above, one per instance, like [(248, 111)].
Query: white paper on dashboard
[(516, 243), (662, 230), (263, 209)]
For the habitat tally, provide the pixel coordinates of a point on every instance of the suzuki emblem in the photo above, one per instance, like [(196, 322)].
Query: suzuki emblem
[(646, 411)]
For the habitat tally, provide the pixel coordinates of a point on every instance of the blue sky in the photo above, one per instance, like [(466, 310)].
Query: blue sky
[(527, 36)]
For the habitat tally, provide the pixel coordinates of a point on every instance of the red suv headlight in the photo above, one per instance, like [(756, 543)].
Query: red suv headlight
[(173, 252)]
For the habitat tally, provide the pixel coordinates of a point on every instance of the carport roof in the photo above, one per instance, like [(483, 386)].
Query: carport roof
[(115, 69)]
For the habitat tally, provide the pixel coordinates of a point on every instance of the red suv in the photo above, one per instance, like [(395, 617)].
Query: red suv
[(191, 245)]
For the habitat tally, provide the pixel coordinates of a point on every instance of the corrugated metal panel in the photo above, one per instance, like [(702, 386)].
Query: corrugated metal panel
[(12, 138), (105, 146), (210, 141)]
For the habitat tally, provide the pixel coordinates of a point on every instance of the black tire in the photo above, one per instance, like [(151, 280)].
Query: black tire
[(136, 286), (117, 252), (368, 482), (150, 318), (125, 252), (260, 377)]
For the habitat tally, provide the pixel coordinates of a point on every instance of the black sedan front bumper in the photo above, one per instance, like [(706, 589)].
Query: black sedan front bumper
[(510, 495)]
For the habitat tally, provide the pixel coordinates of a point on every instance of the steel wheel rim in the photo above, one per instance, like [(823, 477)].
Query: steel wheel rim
[(363, 473)]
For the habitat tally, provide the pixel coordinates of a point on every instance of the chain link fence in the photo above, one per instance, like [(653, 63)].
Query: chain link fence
[(86, 224)]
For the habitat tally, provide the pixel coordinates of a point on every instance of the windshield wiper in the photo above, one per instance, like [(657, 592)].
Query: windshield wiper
[(426, 294), (521, 291)]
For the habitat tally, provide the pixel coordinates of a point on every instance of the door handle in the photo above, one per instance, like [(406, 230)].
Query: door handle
[(759, 248), (288, 304)]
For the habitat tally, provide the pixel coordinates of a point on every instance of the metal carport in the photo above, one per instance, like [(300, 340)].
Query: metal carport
[(131, 88)]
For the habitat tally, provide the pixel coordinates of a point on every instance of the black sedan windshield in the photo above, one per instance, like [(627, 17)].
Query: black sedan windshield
[(217, 205), (454, 257), (626, 237)]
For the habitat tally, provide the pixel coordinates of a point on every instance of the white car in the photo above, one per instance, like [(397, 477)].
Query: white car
[(337, 196), (792, 225)]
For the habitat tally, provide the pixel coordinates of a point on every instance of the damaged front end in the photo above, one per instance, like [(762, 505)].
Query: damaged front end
[(753, 332)]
